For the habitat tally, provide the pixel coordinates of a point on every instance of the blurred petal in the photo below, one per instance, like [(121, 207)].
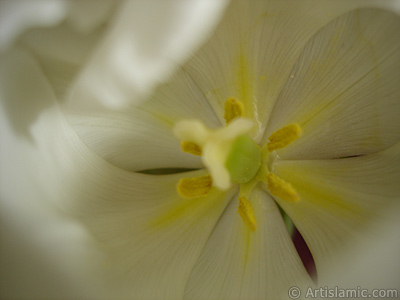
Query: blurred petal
[(62, 49), (21, 92), (339, 198), (88, 15), (147, 42), (45, 254), (17, 16), (254, 49), (393, 5), (345, 89), (239, 264), (61, 52)]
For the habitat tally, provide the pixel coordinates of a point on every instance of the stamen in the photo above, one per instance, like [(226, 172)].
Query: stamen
[(192, 148), (282, 189), (246, 212), (283, 137), (194, 187), (233, 109)]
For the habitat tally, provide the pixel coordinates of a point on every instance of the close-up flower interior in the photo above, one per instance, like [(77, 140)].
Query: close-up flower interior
[(196, 150)]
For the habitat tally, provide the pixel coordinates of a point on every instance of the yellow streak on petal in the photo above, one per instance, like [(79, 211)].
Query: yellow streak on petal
[(233, 109), (194, 187), (192, 148), (244, 87), (190, 211), (282, 189), (315, 188), (283, 137), (246, 212)]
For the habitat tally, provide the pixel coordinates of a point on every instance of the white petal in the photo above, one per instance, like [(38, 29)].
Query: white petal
[(345, 89), (35, 234), (150, 236), (136, 141), (372, 263), (147, 42), (153, 236), (144, 129), (117, 135), (254, 50), (339, 198), (239, 264), (181, 98), (17, 16)]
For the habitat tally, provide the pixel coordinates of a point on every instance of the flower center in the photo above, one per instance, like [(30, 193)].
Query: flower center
[(233, 157), (244, 159)]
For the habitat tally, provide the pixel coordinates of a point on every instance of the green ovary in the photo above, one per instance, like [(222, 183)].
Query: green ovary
[(244, 160)]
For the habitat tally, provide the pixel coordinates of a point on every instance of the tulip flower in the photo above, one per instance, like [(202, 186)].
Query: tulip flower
[(168, 150)]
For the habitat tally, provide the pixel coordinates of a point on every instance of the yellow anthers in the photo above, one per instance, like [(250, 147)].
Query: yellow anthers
[(233, 109), (194, 187), (246, 212), (283, 137), (282, 189), (191, 148)]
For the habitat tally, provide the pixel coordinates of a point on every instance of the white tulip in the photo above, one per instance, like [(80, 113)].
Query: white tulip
[(289, 105)]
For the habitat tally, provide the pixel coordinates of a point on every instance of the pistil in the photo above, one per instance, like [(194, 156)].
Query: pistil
[(233, 157)]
